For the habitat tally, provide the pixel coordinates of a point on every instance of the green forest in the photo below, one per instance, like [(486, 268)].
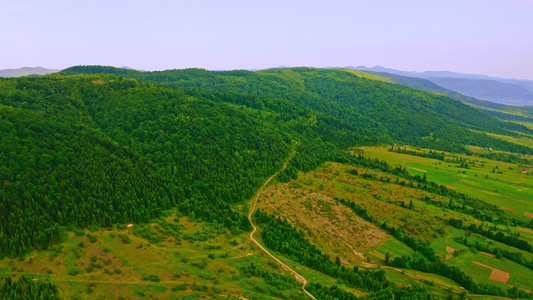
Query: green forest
[(97, 150), (400, 113)]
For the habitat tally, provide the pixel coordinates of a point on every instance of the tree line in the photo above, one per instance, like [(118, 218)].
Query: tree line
[(25, 288), (497, 235)]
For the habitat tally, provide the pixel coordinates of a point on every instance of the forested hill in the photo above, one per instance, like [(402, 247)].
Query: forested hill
[(88, 150), (403, 114)]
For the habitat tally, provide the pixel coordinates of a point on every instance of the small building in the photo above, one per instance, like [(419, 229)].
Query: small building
[(526, 172)]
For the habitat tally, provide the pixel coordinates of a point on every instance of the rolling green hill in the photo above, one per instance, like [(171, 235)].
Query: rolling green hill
[(403, 114), (500, 91), (428, 86), (489, 90)]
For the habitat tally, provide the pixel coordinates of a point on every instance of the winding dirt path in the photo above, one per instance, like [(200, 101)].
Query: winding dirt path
[(296, 275)]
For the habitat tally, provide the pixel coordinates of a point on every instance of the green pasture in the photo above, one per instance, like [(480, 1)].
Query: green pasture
[(443, 281), (526, 233), (393, 246), (527, 124), (510, 189), (520, 276)]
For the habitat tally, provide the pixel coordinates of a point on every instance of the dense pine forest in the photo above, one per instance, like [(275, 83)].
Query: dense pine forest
[(96, 146), (97, 150)]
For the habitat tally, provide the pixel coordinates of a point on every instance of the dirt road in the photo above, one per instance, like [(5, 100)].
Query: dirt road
[(296, 275)]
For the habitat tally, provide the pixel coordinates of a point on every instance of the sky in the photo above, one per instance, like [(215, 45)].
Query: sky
[(490, 37)]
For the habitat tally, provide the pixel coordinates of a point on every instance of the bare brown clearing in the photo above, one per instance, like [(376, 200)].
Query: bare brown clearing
[(507, 208), (333, 227), (527, 214), (487, 254), (417, 169), (498, 275), (450, 250), (380, 199)]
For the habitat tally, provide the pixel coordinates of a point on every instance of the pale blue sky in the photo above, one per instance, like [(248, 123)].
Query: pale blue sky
[(492, 37)]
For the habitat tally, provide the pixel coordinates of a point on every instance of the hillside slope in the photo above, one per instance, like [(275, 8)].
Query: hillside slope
[(403, 114), (500, 111), (426, 85), (97, 150)]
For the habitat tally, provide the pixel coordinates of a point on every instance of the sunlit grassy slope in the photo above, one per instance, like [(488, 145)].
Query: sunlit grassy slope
[(510, 189)]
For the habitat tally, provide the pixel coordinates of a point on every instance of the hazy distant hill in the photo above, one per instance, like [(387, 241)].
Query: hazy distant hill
[(26, 71), (482, 87), (490, 90), (429, 74), (428, 86)]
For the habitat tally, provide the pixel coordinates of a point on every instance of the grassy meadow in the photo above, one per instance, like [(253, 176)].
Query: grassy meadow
[(172, 258)]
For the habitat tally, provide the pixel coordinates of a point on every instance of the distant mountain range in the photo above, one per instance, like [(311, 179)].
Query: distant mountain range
[(494, 89), (26, 71)]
